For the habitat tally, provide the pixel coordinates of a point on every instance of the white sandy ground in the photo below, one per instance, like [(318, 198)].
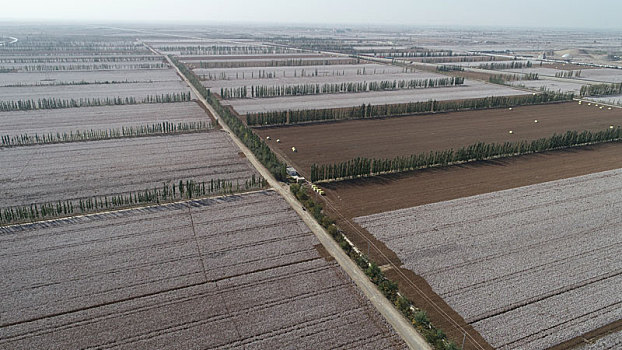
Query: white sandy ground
[(549, 252)]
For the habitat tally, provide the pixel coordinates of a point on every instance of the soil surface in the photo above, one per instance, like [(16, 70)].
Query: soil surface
[(390, 192), (233, 272), (346, 200), (386, 138)]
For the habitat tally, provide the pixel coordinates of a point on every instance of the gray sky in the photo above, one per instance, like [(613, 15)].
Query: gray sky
[(603, 14)]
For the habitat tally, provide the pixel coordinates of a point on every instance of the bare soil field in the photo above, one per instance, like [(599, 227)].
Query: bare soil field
[(391, 192), (136, 90), (470, 89), (603, 75), (567, 66), (36, 174), (386, 138), (552, 85), (43, 78), (500, 259), (98, 118), (299, 72), (615, 100), (541, 71), (240, 272), (216, 85)]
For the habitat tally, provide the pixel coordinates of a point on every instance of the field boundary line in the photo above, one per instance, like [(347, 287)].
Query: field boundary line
[(128, 209)]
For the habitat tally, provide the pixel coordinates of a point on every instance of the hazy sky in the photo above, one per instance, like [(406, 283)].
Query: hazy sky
[(541, 13)]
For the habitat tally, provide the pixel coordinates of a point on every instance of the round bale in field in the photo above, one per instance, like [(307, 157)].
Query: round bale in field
[(609, 108), (579, 102), (268, 138), (294, 149), (610, 126), (278, 140), (511, 132), (510, 108), (535, 121)]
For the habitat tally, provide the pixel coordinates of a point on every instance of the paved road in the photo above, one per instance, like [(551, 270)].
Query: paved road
[(413, 339)]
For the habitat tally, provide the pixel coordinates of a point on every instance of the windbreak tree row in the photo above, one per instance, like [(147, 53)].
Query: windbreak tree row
[(351, 87), (182, 190), (375, 111), (79, 59), (24, 47), (601, 89), (163, 128), (503, 65), (449, 68), (416, 53), (568, 74), (225, 50), (360, 167), (276, 63), (503, 78), (56, 103), (418, 318), (85, 67), (458, 59), (259, 148), (81, 82)]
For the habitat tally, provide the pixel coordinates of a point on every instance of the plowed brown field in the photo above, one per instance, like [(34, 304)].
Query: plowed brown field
[(385, 138)]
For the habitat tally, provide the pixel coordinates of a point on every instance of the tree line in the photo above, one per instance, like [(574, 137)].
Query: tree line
[(81, 82), (226, 50), (262, 74), (87, 67), (449, 68), (188, 189), (503, 78), (56, 103), (350, 87), (458, 59), (361, 166), (259, 148), (79, 59), (406, 54), (601, 89), (568, 74), (390, 110), (504, 65), (163, 128), (418, 318), (275, 63)]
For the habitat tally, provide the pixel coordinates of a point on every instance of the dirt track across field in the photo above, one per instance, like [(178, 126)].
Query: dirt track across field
[(385, 138)]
